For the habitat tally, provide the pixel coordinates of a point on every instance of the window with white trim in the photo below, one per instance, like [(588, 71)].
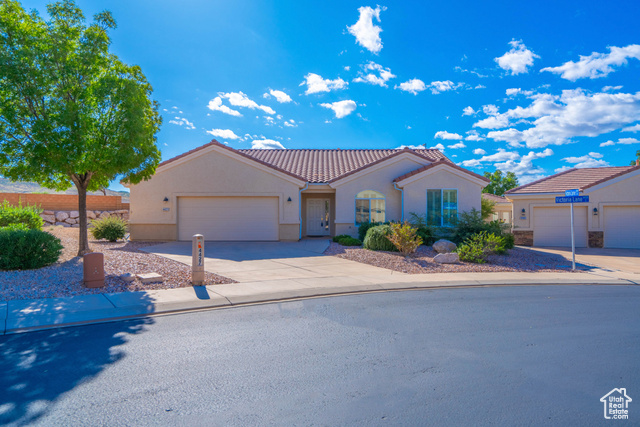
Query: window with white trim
[(370, 207), (442, 207)]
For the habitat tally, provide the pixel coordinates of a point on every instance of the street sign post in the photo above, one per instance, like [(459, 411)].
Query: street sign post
[(572, 196)]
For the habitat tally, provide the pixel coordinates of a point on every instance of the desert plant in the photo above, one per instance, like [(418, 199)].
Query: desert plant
[(479, 246), (405, 238), (341, 236), (509, 240), (471, 222), (376, 239), (14, 227), (425, 232), (28, 215), (349, 241), (110, 228), (365, 226), (27, 249)]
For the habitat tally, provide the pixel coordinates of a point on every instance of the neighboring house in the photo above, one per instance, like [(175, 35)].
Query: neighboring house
[(610, 219), (501, 209), (267, 195)]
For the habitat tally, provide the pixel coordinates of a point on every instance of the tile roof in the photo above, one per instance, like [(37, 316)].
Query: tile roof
[(571, 179), (494, 198), (436, 163)]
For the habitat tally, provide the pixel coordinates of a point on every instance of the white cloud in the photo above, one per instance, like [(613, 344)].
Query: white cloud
[(597, 64), (223, 133), (413, 86), (316, 84), (443, 134), (239, 99), (473, 135), (621, 141), (347, 68), (366, 33), (591, 160), (341, 108), (369, 76), (517, 91), (468, 111), (181, 121), (216, 105), (500, 156), (611, 88), (517, 59), (493, 122), (575, 113), (279, 95), (456, 146), (438, 146), (490, 109), (523, 167), (413, 147), (634, 128), (290, 123), (266, 144), (479, 152), (444, 86)]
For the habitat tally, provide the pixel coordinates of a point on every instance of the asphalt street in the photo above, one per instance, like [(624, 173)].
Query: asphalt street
[(521, 355)]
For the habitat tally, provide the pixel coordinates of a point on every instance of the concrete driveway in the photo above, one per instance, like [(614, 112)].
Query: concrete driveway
[(265, 261), (624, 260)]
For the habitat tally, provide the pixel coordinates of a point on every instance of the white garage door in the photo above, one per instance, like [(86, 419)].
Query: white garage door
[(228, 218), (552, 226), (622, 227)]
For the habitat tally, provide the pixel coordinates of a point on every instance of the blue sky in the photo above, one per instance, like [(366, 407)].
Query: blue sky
[(529, 87)]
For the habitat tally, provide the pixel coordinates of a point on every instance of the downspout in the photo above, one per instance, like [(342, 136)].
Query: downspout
[(395, 185), (300, 208)]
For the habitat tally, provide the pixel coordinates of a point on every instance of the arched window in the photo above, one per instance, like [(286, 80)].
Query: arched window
[(370, 207)]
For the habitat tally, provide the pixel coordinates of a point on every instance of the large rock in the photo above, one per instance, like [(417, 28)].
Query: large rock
[(451, 258), (71, 221), (443, 246), (74, 214), (48, 218), (91, 215), (61, 216), (49, 212)]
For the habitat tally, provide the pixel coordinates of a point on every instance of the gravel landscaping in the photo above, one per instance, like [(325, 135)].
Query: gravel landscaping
[(422, 262), (64, 278)]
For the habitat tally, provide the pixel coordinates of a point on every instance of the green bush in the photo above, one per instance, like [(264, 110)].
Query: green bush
[(376, 239), (349, 241), (109, 228), (470, 223), (28, 215), (479, 246), (509, 240), (27, 249), (341, 236), (405, 238), (15, 227)]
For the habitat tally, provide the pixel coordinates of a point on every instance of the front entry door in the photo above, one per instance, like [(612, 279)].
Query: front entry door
[(318, 217)]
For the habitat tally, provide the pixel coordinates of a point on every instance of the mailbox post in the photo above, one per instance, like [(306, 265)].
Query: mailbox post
[(197, 260), (93, 270)]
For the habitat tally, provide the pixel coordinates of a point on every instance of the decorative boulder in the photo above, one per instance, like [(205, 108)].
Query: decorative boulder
[(451, 258), (74, 214), (48, 218), (61, 216), (91, 215), (443, 246)]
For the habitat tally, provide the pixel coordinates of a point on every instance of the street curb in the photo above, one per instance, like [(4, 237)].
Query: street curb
[(34, 323)]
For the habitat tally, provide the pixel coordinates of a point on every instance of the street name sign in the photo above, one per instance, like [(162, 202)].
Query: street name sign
[(572, 199), (570, 193)]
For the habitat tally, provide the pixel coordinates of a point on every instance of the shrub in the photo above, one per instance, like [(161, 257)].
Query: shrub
[(487, 207), (27, 249), (341, 236), (376, 239), (479, 246), (365, 226), (509, 240), (110, 228), (349, 241), (405, 238), (15, 227), (470, 223), (28, 215)]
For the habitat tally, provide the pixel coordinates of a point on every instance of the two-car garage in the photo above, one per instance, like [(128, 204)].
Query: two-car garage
[(228, 218), (621, 226), (552, 226)]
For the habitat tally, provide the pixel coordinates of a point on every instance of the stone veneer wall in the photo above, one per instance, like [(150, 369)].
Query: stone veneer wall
[(523, 237), (71, 218), (596, 239)]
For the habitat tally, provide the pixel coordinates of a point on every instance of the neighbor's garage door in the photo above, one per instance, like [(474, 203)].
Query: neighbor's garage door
[(552, 226), (228, 218), (622, 226)]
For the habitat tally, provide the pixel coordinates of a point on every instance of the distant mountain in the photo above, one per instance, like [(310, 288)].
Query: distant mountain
[(6, 186)]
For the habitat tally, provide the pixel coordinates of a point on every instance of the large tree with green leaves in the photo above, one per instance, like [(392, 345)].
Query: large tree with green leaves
[(71, 113), (499, 182), (633, 162)]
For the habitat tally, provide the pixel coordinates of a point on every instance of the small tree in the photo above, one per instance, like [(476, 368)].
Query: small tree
[(633, 162), (404, 237), (499, 182), (71, 113), (487, 208)]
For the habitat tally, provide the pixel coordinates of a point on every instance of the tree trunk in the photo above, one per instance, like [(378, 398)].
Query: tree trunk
[(82, 182)]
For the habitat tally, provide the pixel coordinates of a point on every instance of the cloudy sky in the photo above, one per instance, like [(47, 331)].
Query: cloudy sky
[(530, 87)]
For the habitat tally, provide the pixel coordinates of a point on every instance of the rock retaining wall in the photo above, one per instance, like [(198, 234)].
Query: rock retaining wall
[(72, 218)]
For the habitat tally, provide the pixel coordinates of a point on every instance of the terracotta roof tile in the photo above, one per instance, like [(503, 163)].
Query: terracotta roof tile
[(572, 179), (494, 198), (436, 163)]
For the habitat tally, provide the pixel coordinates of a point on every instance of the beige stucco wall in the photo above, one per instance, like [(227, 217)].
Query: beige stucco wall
[(502, 212), (415, 193), (375, 178), (618, 192), (215, 172)]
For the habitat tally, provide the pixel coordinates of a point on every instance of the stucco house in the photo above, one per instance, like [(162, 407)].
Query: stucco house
[(268, 195), (610, 219), (502, 209)]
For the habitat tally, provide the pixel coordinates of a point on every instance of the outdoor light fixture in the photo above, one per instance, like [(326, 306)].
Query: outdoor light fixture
[(523, 211), (165, 200), (595, 211), (289, 199)]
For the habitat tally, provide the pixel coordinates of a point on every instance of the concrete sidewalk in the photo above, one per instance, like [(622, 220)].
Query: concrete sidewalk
[(28, 315)]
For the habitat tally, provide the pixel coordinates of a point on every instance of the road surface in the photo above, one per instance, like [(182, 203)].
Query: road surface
[(486, 356)]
